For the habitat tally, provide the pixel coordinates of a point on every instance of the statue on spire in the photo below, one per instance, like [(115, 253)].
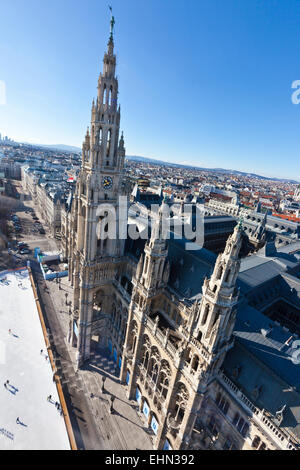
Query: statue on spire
[(112, 23)]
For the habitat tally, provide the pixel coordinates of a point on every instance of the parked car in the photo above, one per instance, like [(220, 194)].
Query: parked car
[(42, 231), (25, 251)]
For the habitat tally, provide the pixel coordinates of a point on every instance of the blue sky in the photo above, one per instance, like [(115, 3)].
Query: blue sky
[(205, 82)]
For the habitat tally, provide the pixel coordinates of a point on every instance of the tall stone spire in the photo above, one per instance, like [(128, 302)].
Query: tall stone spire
[(219, 296)]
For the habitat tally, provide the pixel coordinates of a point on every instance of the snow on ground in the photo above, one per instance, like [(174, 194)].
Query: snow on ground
[(28, 372)]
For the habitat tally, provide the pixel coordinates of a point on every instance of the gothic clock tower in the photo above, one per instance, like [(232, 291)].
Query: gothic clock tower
[(93, 246)]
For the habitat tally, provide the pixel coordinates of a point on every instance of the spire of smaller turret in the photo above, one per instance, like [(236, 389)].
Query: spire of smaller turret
[(121, 143), (158, 229), (112, 24), (111, 37)]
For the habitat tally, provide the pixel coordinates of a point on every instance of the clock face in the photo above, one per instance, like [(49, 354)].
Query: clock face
[(107, 182)]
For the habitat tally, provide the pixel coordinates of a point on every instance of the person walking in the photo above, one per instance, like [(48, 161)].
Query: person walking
[(112, 399), (17, 420), (103, 382), (49, 398), (41, 351)]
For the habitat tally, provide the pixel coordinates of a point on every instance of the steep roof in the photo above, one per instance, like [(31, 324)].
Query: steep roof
[(268, 361)]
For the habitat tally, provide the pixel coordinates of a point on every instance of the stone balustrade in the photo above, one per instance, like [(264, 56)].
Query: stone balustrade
[(279, 437)]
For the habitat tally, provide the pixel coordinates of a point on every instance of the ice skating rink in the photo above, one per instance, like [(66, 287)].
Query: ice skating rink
[(29, 374)]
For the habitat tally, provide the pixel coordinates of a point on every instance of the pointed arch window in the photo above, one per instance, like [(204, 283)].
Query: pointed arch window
[(110, 96), (220, 272), (195, 363), (108, 142), (146, 265), (181, 401), (104, 94), (146, 359), (100, 136), (205, 314), (228, 275)]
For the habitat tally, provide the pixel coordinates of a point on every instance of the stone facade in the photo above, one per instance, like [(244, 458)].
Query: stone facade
[(282, 231), (170, 349)]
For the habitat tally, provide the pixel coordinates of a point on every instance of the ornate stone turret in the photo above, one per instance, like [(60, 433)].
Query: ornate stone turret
[(156, 251), (258, 236), (216, 316)]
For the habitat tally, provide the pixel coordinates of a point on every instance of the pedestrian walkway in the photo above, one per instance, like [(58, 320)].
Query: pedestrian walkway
[(123, 429)]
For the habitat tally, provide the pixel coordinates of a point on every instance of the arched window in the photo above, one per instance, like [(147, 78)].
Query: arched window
[(146, 265), (222, 403), (100, 136), (154, 372), (256, 442), (220, 272), (213, 426), (104, 94), (241, 424), (163, 384), (108, 143), (228, 276), (195, 362), (145, 358), (133, 345), (199, 337), (181, 401), (229, 444), (110, 96), (205, 314)]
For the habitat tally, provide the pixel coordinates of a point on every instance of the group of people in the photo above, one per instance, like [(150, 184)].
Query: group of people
[(57, 405)]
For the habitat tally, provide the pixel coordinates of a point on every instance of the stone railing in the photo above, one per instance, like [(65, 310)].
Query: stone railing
[(161, 338), (279, 437), (201, 349)]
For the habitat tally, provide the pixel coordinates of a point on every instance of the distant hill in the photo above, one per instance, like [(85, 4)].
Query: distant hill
[(217, 170), (61, 147), (66, 148)]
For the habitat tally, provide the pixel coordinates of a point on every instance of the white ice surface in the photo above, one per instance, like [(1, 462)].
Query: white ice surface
[(22, 364)]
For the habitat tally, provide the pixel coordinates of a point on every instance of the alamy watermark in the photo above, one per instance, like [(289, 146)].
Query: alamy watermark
[(164, 221), (2, 93)]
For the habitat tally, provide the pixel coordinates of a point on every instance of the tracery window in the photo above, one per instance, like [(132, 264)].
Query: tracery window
[(241, 424), (222, 403), (181, 401)]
